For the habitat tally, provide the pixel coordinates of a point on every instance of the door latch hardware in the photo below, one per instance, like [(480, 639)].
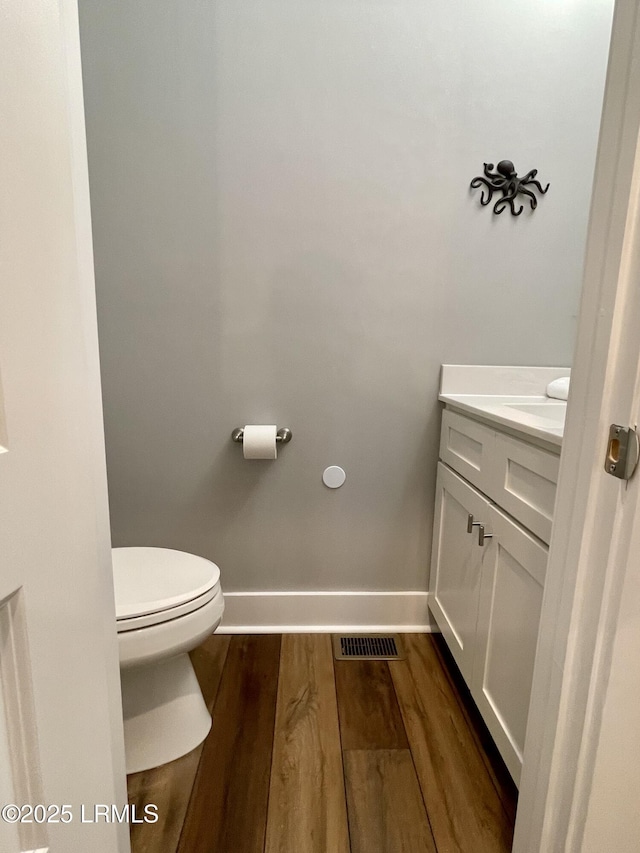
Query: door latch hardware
[(623, 451)]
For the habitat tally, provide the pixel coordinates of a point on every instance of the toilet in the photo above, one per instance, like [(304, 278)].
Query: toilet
[(167, 603)]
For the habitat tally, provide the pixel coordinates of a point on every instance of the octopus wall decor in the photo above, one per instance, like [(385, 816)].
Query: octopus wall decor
[(512, 187)]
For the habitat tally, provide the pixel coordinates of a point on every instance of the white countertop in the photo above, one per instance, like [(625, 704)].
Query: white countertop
[(511, 396)]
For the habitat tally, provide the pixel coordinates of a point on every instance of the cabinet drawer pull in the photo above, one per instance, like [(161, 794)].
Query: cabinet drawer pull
[(482, 535), (471, 523)]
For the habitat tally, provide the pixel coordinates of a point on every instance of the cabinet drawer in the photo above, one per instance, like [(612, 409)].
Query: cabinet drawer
[(524, 481), (467, 447)]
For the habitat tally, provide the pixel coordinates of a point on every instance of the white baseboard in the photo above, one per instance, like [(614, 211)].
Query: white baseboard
[(309, 612)]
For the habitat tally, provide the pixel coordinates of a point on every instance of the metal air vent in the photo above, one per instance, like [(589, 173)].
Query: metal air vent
[(367, 647)]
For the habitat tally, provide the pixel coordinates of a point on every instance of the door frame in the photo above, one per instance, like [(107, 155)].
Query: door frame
[(580, 606), (587, 562)]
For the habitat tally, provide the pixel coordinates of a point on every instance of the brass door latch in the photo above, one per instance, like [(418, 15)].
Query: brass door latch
[(623, 450)]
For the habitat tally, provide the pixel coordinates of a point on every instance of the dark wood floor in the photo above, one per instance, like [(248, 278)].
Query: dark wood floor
[(311, 755)]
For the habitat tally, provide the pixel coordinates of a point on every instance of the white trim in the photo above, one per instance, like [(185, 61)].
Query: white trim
[(264, 612)]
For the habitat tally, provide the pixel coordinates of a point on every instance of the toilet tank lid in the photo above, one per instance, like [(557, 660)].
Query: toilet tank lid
[(148, 580)]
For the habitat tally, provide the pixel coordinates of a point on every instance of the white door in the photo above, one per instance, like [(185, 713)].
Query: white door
[(60, 718), (456, 564), (581, 774)]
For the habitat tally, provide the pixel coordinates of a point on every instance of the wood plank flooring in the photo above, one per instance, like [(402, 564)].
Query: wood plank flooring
[(307, 807), (369, 713), (228, 807), (386, 809), (311, 755), (463, 805)]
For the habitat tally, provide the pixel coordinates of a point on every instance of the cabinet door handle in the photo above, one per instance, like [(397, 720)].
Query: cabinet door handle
[(482, 535), (471, 523)]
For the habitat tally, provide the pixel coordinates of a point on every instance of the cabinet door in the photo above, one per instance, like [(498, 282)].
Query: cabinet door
[(456, 563), (513, 572)]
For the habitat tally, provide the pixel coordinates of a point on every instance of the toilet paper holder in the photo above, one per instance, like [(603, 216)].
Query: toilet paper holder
[(283, 436)]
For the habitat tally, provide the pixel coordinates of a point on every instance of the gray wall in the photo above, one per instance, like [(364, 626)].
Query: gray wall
[(284, 234)]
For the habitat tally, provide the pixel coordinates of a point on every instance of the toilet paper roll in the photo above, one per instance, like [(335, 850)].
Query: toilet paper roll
[(259, 441)]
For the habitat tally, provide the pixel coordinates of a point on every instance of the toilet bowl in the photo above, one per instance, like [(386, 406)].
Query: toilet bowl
[(167, 603)]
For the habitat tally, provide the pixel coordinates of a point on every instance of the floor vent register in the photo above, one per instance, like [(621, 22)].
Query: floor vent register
[(367, 647)]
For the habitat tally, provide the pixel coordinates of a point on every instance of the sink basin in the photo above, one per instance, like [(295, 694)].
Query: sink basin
[(554, 412)]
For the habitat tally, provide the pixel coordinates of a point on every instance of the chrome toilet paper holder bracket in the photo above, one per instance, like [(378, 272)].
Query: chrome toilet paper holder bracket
[(283, 435)]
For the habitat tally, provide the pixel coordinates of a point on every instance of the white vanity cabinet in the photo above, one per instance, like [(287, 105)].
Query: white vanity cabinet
[(494, 508)]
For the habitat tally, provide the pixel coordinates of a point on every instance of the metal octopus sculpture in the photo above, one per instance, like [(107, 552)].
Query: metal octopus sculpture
[(511, 186)]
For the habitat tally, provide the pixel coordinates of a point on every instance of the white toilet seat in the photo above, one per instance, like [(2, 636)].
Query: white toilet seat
[(149, 619), (156, 585), (150, 580)]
